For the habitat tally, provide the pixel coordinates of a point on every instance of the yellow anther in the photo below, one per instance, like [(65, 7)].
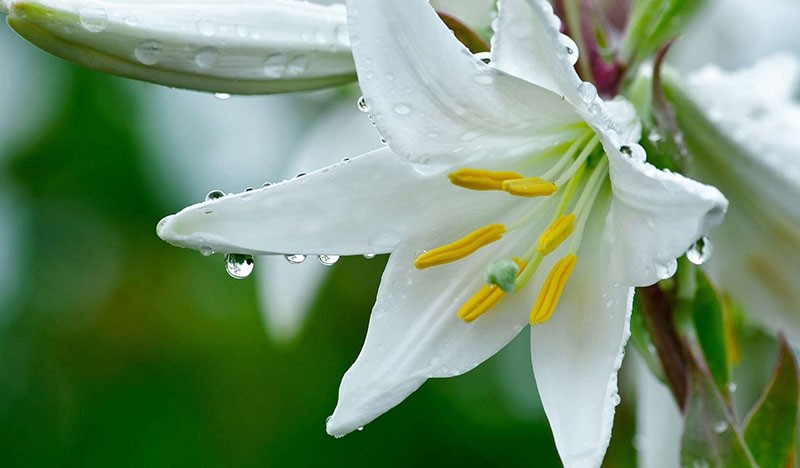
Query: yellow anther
[(552, 288), (483, 300), (529, 187), (554, 235), (481, 179), (462, 247)]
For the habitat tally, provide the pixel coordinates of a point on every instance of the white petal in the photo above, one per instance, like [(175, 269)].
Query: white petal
[(366, 205), (476, 13), (286, 291), (432, 99), (576, 355), (656, 217), (527, 44), (659, 423), (212, 45), (414, 332)]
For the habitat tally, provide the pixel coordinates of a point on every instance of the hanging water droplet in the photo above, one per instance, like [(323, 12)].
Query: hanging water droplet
[(701, 251), (206, 251), (616, 399), (362, 104), (222, 96), (361, 428), (275, 66), (93, 19), (131, 21), (207, 57), (148, 52), (239, 266), (587, 92), (570, 49), (720, 427), (295, 259), (206, 28), (369, 256), (402, 109), (328, 260), (214, 194)]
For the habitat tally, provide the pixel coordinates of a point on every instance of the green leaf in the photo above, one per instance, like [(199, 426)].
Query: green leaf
[(710, 437), (709, 324), (772, 424)]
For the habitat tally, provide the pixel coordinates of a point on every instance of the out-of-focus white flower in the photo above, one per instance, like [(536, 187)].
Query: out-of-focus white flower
[(470, 144)]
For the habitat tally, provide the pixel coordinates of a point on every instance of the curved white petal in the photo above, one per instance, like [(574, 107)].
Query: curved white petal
[(577, 353), (476, 13), (656, 217), (414, 332), (243, 47), (527, 44), (285, 290), (286, 293), (659, 423), (365, 205), (433, 100)]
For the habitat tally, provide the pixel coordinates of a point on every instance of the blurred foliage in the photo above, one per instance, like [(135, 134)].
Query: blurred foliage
[(125, 351)]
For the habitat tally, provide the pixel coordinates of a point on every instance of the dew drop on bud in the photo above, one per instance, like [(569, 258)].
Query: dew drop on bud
[(214, 194), (362, 104), (701, 251), (239, 266), (295, 259), (328, 260)]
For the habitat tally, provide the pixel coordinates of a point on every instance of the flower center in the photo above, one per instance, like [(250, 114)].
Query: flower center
[(573, 183)]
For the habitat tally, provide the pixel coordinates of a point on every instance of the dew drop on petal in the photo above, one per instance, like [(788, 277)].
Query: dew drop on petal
[(570, 48), (362, 104), (239, 266), (148, 52), (483, 78), (485, 57), (615, 399), (667, 270), (206, 251), (701, 251), (275, 66), (402, 109), (295, 259), (214, 194), (297, 66), (206, 28), (634, 151), (93, 19), (207, 57), (328, 260), (587, 92), (369, 256), (222, 96)]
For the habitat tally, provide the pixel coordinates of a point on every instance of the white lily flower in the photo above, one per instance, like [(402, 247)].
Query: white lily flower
[(256, 47), (742, 128), (517, 173)]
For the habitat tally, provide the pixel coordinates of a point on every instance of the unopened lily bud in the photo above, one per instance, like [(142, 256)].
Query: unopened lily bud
[(251, 47)]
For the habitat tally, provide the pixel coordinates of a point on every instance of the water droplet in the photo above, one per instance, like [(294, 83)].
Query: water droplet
[(275, 66), (732, 387), (634, 151), (93, 19), (206, 251), (654, 136), (570, 49), (362, 104), (369, 256), (207, 57), (266, 184), (301, 174), (206, 28), (298, 65), (609, 303), (484, 57), (701, 251), (328, 260), (222, 96), (383, 141), (483, 78), (241, 30), (214, 194), (587, 92), (389, 77), (345, 160), (295, 259), (361, 428), (667, 270), (615, 399), (402, 109), (239, 266), (720, 427), (148, 52)]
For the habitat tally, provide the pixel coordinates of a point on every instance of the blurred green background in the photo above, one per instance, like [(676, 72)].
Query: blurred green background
[(117, 349)]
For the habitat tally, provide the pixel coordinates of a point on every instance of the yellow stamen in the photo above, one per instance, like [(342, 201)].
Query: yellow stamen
[(554, 235), (529, 187), (552, 288), (481, 179), (483, 300), (462, 247), (486, 298)]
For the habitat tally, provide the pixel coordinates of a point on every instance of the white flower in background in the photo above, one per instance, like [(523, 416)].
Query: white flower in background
[(523, 181), (744, 140), (242, 142), (251, 47)]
